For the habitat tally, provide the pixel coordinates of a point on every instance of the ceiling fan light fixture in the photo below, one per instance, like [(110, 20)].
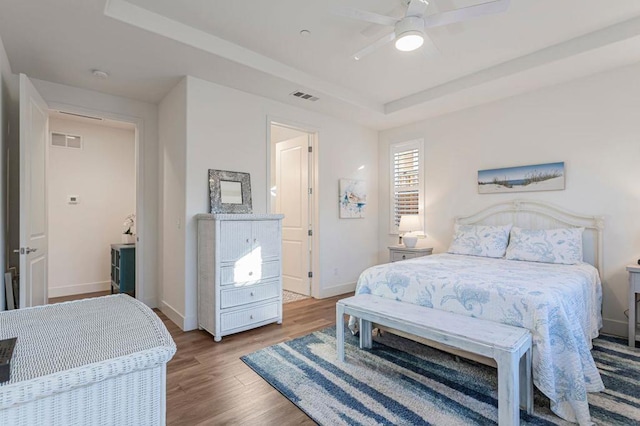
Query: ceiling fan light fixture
[(411, 40), (409, 33)]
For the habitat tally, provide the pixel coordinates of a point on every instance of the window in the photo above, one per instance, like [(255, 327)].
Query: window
[(406, 181)]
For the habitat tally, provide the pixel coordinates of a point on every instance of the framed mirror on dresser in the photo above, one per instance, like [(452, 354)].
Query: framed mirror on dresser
[(229, 192)]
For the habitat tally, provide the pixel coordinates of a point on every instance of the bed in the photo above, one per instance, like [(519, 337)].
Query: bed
[(560, 303)]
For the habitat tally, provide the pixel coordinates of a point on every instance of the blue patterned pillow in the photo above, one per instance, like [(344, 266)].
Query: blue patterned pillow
[(562, 245), (479, 240)]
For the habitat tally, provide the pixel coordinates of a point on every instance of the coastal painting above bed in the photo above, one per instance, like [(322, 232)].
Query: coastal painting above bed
[(537, 177)]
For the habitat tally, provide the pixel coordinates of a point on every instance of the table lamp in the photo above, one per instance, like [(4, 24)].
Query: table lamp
[(408, 224)]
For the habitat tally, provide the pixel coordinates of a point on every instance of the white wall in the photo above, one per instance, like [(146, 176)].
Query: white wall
[(118, 108), (591, 124), (102, 175), (172, 115), (227, 129)]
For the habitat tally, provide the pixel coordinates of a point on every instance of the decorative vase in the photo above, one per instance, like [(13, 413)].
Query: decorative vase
[(128, 238)]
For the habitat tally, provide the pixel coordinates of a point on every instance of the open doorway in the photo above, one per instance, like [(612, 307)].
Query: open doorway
[(91, 205), (28, 196), (291, 192), (90, 188)]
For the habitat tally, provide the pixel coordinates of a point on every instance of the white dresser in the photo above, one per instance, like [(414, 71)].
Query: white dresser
[(239, 272)]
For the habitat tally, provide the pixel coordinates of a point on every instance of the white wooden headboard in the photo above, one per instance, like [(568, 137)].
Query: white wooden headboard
[(540, 215)]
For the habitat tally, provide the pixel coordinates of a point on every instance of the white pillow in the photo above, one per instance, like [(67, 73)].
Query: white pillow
[(479, 240), (563, 245)]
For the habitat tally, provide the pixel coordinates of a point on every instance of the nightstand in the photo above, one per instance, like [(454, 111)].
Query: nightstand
[(397, 253), (634, 288)]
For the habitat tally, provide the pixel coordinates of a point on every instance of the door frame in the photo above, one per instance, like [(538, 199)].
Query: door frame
[(139, 162), (314, 135)]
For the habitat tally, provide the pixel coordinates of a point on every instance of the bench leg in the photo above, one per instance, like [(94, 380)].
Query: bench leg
[(508, 397), (340, 332), (366, 341), (526, 382)]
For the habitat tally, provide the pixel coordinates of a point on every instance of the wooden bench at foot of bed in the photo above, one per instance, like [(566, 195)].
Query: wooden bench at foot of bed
[(509, 346)]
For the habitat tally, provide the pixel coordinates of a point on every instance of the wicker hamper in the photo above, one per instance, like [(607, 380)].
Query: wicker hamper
[(98, 361)]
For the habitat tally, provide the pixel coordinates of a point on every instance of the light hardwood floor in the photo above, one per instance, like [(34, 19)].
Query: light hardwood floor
[(208, 384)]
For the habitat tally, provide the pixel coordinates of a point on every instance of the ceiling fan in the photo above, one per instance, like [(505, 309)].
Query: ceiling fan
[(409, 30)]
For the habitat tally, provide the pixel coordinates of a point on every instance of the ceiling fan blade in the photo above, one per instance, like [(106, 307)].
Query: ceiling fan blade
[(466, 13), (370, 48), (363, 15), (429, 48), (443, 5), (416, 8), (375, 30)]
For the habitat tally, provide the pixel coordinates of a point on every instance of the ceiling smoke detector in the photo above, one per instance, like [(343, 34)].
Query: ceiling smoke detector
[(102, 75)]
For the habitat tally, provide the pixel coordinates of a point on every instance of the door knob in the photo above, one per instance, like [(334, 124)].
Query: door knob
[(25, 250)]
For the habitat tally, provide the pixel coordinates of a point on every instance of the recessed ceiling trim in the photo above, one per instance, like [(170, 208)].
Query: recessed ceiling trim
[(137, 16), (613, 34)]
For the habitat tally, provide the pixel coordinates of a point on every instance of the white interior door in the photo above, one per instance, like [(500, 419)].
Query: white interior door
[(34, 126), (292, 200)]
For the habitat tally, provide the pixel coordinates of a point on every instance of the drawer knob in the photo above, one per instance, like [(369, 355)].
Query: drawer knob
[(255, 240), (404, 256), (250, 316), (247, 240), (250, 273), (251, 293)]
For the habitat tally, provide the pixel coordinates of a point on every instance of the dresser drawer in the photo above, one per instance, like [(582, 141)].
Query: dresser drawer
[(252, 293), (400, 255), (238, 274), (246, 317)]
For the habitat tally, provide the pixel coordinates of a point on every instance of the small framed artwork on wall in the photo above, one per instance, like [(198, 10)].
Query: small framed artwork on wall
[(353, 198)]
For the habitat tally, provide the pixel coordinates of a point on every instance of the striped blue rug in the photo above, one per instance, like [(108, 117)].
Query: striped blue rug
[(404, 383)]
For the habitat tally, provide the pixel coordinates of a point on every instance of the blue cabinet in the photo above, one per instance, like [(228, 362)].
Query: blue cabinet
[(123, 269)]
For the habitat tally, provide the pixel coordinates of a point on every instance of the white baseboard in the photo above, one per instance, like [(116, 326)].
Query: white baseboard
[(615, 327), (70, 290), (176, 317), (150, 302), (190, 323), (337, 290)]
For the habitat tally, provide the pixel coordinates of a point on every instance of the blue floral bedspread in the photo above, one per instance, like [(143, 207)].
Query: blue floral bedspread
[(560, 304)]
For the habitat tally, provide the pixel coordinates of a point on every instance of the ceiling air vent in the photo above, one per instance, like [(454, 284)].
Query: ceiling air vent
[(303, 95), (66, 141), (81, 115)]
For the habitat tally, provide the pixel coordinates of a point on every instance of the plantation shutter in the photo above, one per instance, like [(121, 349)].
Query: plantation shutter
[(406, 183)]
